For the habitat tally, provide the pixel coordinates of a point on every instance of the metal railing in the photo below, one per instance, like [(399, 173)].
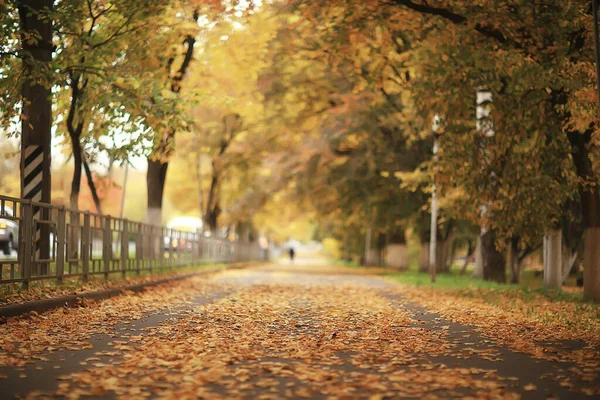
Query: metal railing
[(55, 242)]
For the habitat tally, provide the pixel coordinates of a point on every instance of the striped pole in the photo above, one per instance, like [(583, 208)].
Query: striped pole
[(33, 169)]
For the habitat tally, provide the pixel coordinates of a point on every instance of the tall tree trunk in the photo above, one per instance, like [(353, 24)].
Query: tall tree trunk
[(36, 121), (590, 207), (494, 264), (155, 179)]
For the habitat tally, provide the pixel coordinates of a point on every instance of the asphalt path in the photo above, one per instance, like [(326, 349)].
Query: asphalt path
[(295, 336)]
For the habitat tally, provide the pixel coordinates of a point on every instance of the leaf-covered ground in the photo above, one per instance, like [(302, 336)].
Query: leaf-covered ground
[(303, 331), (40, 290)]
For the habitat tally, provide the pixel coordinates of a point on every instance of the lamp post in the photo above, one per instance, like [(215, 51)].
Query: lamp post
[(124, 189), (433, 233), (433, 230)]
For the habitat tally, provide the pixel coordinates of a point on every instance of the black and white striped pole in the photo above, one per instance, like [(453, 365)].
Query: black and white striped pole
[(33, 183)]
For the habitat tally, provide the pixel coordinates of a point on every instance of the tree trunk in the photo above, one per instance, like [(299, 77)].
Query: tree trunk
[(347, 250), (470, 250), (76, 182), (92, 186), (397, 255), (478, 270), (368, 253), (155, 179), (157, 170), (590, 203), (591, 264), (211, 218), (512, 262), (73, 234), (445, 254), (553, 259), (494, 264), (450, 252), (36, 121), (424, 257), (440, 259), (213, 209), (200, 191), (568, 261)]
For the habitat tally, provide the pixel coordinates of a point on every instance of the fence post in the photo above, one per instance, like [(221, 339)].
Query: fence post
[(171, 250), (25, 251), (124, 248), (152, 250), (149, 248), (138, 247), (195, 247), (107, 246), (85, 246), (60, 243)]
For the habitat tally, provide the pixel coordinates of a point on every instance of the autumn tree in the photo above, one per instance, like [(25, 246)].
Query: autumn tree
[(26, 79), (536, 71), (164, 140), (227, 143)]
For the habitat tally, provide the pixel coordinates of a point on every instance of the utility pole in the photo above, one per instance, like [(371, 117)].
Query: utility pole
[(485, 127), (124, 190), (433, 233), (36, 119)]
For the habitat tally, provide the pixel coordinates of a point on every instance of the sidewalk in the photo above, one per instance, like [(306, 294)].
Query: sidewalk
[(277, 331)]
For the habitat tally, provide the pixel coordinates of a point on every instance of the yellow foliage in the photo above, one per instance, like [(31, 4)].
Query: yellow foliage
[(331, 247)]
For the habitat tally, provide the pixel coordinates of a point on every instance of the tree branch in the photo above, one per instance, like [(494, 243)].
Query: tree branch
[(458, 19), (390, 100), (118, 32), (88, 174)]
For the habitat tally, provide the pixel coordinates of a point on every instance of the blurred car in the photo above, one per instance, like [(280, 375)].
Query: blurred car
[(9, 232), (184, 224)]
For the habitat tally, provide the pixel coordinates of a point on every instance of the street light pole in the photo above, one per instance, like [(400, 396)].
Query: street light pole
[(124, 190), (433, 230)]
